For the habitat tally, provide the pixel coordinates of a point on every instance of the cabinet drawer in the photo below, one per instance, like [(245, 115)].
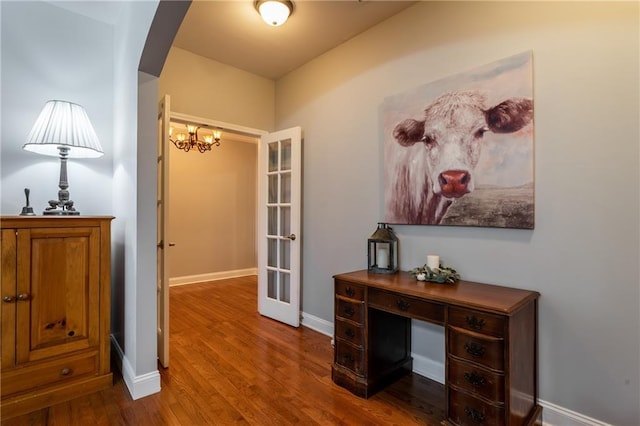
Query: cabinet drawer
[(347, 289), (466, 410), (485, 350), (353, 311), (349, 332), (476, 380), (47, 373), (479, 322), (350, 357), (407, 306)]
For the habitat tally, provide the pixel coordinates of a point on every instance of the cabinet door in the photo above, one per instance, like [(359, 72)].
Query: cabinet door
[(58, 291), (8, 294)]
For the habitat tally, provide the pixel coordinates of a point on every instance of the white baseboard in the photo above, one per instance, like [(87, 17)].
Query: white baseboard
[(554, 415), (428, 368), (138, 386), (213, 276), (318, 324)]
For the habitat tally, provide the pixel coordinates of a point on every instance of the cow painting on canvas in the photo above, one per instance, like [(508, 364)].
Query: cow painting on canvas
[(431, 160)]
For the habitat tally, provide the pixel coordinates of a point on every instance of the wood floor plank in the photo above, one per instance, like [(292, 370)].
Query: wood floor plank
[(231, 366)]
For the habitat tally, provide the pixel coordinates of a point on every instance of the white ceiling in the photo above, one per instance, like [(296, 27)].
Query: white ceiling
[(233, 33)]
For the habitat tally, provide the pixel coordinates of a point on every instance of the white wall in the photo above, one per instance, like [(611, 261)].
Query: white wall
[(583, 254), (134, 193), (43, 58)]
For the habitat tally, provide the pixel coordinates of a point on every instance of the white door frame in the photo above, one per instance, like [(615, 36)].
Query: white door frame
[(235, 128)]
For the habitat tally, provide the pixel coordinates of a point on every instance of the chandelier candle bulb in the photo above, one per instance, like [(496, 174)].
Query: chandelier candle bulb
[(433, 261)]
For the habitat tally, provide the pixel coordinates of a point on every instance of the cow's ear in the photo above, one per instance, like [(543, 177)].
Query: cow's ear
[(409, 132), (510, 115)]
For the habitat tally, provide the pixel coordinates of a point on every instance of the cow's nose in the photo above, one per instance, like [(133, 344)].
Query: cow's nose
[(454, 183)]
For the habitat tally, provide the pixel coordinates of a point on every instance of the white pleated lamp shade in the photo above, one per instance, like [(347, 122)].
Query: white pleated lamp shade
[(63, 123)]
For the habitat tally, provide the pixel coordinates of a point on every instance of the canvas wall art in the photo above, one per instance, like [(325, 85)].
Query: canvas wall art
[(459, 151)]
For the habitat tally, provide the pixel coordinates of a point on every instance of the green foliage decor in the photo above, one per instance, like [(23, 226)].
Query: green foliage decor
[(443, 274)]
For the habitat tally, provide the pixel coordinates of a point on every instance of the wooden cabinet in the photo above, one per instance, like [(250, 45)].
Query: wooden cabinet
[(55, 310), (491, 343)]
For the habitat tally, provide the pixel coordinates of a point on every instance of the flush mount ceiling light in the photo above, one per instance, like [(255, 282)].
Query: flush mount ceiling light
[(274, 12)]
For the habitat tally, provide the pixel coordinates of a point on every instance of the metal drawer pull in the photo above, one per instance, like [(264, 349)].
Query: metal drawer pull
[(23, 297), (349, 332), (475, 322), (350, 291), (348, 359), (475, 415), (474, 349), (8, 299), (349, 311), (65, 371), (403, 305), (475, 380)]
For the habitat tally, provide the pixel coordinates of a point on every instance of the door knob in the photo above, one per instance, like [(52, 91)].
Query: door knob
[(292, 237)]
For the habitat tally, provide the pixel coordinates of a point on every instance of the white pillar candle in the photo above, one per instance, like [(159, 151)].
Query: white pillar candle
[(433, 261), (383, 257)]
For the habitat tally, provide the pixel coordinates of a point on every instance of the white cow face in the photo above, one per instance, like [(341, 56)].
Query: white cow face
[(452, 134)]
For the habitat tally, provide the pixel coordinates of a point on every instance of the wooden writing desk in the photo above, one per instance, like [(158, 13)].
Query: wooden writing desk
[(491, 373)]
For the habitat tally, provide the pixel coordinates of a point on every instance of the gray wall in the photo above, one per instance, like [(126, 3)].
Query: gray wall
[(583, 254)]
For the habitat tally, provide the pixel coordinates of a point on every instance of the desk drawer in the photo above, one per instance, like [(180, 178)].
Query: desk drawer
[(350, 332), (475, 380), (479, 322), (350, 357), (407, 306), (353, 311), (349, 290), (466, 410), (485, 350)]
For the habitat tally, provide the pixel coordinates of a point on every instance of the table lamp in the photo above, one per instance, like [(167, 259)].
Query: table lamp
[(63, 129)]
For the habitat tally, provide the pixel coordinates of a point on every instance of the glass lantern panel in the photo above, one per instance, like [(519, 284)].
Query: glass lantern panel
[(382, 255), (285, 287), (285, 221), (272, 285), (272, 252), (273, 157), (272, 221), (285, 254), (273, 189), (285, 188), (285, 161)]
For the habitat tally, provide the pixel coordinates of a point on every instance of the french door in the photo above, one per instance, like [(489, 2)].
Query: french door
[(279, 242), (162, 214)]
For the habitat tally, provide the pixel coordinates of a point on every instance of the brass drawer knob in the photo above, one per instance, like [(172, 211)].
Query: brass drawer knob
[(349, 311), (403, 305), (350, 291), (474, 322), (474, 349), (475, 415), (350, 333), (8, 299), (65, 371), (474, 379)]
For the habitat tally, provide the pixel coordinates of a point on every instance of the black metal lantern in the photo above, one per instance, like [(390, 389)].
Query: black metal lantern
[(383, 250)]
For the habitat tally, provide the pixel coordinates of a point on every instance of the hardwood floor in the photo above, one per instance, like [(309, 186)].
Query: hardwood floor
[(229, 365)]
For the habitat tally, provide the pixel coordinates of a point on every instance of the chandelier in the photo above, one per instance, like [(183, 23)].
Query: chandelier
[(189, 140)]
